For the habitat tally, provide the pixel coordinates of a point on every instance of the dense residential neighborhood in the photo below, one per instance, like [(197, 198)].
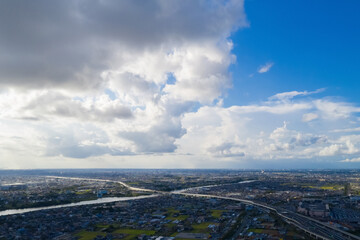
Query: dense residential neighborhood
[(204, 204)]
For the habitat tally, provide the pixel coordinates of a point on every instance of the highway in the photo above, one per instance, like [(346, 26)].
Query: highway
[(313, 227), (104, 180)]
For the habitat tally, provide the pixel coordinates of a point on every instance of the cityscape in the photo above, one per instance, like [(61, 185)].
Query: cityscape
[(180, 204), (179, 120)]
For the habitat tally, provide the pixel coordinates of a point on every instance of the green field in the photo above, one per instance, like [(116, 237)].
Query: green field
[(135, 231), (255, 230), (85, 235), (216, 213), (170, 225), (171, 213), (202, 227), (180, 217), (131, 233), (102, 226), (330, 187), (80, 192)]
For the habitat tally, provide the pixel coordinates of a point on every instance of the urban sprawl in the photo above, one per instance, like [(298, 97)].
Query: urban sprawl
[(179, 204)]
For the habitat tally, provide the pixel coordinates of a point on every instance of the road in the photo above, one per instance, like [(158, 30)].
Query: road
[(313, 227), (104, 180)]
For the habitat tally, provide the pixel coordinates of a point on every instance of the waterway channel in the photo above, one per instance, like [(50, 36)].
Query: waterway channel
[(100, 200), (89, 202)]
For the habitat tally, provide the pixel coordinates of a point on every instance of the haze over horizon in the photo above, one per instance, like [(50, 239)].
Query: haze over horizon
[(179, 84)]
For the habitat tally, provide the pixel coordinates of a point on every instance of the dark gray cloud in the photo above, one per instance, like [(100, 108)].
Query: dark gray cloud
[(52, 104), (69, 43), (307, 140)]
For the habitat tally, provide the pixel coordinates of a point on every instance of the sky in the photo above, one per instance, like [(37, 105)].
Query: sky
[(179, 84)]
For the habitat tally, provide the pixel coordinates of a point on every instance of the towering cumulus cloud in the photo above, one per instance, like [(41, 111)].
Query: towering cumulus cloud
[(140, 84), (81, 79)]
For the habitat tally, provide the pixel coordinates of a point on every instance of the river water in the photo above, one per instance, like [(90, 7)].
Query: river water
[(90, 202), (100, 200)]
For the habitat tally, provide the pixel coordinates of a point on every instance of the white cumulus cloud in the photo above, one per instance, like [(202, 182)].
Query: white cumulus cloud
[(129, 84)]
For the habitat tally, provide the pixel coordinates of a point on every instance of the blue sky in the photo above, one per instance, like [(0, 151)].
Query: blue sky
[(314, 44), (179, 84)]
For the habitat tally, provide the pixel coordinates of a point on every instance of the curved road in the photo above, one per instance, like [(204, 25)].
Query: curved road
[(104, 180), (315, 228)]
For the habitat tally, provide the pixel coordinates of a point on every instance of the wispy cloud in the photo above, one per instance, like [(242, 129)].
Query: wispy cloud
[(288, 95), (351, 160), (265, 68), (346, 130), (308, 117)]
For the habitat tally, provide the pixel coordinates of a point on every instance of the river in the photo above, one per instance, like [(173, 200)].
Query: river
[(102, 200), (89, 202)]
